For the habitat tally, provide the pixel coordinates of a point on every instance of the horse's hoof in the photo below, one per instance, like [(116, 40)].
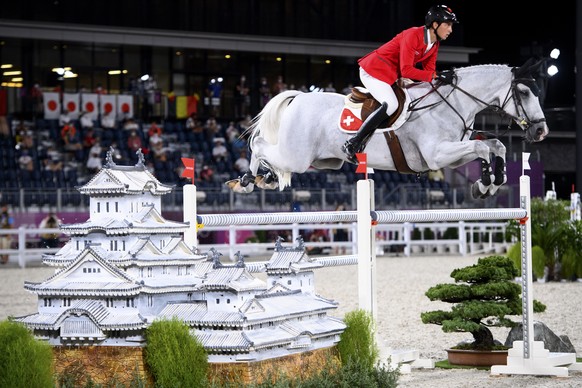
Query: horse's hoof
[(479, 190), (261, 183), (246, 179), (235, 186)]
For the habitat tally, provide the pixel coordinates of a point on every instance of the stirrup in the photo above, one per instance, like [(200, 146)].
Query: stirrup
[(351, 155)]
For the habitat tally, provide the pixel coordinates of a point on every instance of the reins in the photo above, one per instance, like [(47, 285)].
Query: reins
[(511, 93)]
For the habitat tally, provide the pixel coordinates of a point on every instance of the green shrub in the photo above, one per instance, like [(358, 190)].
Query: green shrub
[(358, 341), (175, 357), (24, 361), (538, 259)]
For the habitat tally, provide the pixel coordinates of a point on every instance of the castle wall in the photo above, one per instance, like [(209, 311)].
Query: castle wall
[(103, 364)]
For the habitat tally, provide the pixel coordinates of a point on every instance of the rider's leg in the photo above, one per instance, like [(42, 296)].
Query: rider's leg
[(384, 94), (358, 142)]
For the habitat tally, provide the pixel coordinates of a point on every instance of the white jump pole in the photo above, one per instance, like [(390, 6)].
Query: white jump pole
[(366, 247), (190, 211)]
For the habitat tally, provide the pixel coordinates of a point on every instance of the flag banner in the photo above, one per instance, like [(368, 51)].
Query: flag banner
[(193, 104), (181, 107), (525, 161), (71, 102), (188, 169), (52, 105), (89, 104), (362, 163), (125, 106), (108, 105)]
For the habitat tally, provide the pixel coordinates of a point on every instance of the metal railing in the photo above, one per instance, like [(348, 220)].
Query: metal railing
[(398, 238)]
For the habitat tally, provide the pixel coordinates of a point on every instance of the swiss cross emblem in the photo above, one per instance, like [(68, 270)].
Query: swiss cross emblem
[(349, 121)]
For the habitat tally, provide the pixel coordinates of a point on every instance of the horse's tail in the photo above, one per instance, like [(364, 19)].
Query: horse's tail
[(266, 123)]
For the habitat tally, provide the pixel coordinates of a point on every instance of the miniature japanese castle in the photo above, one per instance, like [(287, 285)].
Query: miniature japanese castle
[(127, 266)]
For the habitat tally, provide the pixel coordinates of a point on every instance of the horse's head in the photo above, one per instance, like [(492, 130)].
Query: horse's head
[(527, 111)]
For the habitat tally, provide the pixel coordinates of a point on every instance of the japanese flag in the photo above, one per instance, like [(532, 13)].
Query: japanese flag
[(108, 104), (52, 105), (125, 105), (89, 103), (71, 102)]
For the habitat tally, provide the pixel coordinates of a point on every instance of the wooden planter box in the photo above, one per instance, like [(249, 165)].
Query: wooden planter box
[(477, 357)]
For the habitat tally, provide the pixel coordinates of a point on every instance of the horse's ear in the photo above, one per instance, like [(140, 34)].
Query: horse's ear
[(530, 68)]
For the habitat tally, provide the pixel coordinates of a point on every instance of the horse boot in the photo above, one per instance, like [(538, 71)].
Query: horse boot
[(358, 142)]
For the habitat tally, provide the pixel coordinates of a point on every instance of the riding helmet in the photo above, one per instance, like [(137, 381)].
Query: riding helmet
[(439, 14)]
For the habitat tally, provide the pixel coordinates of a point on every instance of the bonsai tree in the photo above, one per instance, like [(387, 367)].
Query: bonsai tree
[(484, 296)]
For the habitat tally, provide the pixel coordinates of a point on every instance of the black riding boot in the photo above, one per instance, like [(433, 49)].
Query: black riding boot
[(358, 142)]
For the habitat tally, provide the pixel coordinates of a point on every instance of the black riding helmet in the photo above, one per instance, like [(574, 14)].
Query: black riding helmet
[(439, 14)]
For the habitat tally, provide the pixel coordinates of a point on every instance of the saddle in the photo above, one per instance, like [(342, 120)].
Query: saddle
[(368, 105)]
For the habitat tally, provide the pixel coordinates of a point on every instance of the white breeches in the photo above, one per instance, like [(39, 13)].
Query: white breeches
[(380, 90)]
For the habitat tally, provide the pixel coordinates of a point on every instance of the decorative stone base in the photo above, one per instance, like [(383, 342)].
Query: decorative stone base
[(477, 357), (301, 365), (123, 365), (101, 364)]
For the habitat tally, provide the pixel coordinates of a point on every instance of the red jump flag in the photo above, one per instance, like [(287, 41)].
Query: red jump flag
[(188, 168), (362, 163)]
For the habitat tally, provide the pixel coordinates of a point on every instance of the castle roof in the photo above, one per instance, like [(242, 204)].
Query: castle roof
[(124, 180), (127, 318), (87, 275), (232, 278), (287, 260)]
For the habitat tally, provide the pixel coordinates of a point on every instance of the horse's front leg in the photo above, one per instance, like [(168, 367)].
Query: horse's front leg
[(481, 188), (498, 149)]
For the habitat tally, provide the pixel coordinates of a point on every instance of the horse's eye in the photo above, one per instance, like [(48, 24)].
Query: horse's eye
[(524, 92)]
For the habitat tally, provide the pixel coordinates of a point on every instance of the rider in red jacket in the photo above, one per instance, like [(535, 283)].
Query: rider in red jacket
[(410, 54)]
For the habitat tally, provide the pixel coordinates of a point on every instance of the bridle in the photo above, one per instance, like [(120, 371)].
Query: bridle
[(513, 93)]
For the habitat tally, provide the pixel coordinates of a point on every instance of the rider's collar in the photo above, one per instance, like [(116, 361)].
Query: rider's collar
[(426, 35)]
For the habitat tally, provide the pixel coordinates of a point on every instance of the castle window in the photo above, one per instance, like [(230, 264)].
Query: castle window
[(109, 302), (289, 282), (84, 270), (107, 207), (150, 300), (180, 270), (98, 207), (66, 302), (116, 207), (47, 302), (228, 301), (165, 270), (129, 302), (217, 301), (123, 245), (188, 270), (150, 272), (189, 296)]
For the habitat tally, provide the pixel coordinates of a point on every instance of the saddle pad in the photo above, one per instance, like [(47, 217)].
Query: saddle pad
[(350, 119)]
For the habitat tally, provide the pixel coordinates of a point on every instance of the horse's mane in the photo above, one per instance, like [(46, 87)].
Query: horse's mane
[(480, 68)]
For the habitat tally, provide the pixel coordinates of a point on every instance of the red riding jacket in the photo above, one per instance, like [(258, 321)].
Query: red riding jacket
[(398, 57)]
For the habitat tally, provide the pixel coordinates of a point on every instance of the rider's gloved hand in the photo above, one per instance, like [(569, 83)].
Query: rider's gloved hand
[(445, 76)]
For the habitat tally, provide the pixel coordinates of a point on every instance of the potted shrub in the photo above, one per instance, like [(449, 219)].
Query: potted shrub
[(553, 232), (484, 295)]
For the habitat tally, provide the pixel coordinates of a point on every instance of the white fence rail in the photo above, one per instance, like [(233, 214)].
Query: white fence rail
[(473, 238)]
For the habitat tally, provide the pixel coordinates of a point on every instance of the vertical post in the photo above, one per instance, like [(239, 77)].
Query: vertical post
[(189, 214), (366, 248), (526, 270)]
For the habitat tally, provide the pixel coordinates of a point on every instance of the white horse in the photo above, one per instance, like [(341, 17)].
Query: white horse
[(296, 131)]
